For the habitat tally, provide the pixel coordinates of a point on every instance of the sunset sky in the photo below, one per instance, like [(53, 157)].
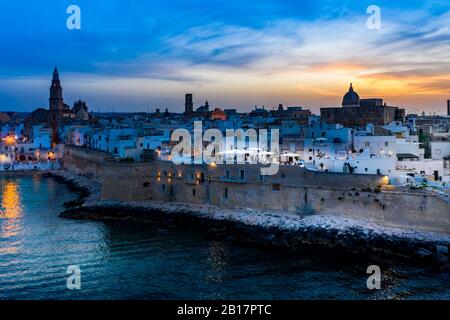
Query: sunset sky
[(141, 54)]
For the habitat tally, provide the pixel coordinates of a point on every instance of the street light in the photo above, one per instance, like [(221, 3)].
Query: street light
[(10, 140)]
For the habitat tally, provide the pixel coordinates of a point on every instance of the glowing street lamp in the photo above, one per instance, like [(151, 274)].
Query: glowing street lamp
[(213, 165), (10, 140)]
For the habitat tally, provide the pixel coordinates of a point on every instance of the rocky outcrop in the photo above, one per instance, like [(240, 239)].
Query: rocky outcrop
[(351, 239)]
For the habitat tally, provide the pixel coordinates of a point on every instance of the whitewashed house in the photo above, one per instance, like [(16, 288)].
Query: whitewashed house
[(357, 163)]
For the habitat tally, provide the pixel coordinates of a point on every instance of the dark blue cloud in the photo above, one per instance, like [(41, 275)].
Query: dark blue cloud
[(35, 37), (118, 35)]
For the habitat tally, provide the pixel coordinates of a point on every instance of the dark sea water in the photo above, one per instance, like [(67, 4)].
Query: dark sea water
[(129, 261)]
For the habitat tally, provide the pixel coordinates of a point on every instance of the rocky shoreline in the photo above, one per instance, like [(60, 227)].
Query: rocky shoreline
[(270, 229), (88, 190)]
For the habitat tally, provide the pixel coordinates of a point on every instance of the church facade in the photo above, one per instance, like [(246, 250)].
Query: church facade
[(58, 113)]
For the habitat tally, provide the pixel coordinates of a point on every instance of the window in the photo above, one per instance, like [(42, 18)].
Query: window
[(242, 174), (192, 176), (193, 192), (365, 169), (225, 193), (276, 187), (146, 184), (386, 144), (261, 178), (367, 143), (283, 175), (227, 174), (163, 187), (165, 173)]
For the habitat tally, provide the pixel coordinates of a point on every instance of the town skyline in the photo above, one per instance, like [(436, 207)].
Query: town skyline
[(179, 108), (300, 53)]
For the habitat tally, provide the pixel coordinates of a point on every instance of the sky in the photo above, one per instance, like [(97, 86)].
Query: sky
[(142, 54)]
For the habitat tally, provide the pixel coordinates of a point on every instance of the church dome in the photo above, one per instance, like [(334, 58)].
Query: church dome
[(82, 115), (351, 98)]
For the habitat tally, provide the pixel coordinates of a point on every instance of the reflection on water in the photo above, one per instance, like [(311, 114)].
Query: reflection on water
[(10, 214), (132, 261)]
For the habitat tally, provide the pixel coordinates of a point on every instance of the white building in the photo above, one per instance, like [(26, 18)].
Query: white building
[(440, 150), (361, 163), (378, 145), (423, 167), (393, 145)]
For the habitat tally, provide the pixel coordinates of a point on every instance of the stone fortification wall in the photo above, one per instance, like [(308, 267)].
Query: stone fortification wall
[(293, 189)]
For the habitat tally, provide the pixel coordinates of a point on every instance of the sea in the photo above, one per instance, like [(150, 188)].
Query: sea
[(43, 256)]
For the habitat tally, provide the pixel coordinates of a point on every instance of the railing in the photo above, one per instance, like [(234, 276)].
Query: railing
[(25, 166), (232, 179)]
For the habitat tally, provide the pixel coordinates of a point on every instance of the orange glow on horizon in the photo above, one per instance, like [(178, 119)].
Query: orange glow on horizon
[(338, 67)]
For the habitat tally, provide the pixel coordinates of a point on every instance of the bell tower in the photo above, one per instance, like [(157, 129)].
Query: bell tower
[(56, 102)]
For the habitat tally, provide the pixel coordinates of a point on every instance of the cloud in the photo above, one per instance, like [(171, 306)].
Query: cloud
[(236, 58)]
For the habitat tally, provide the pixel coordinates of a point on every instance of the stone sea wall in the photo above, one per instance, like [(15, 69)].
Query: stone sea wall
[(85, 162), (293, 190)]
